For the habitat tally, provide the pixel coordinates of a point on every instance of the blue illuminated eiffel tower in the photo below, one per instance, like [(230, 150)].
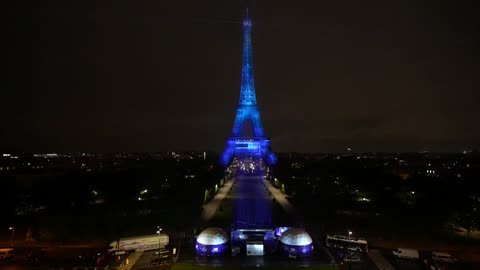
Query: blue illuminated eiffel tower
[(258, 145)]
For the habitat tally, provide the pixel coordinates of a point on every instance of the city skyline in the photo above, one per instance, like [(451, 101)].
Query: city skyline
[(373, 76)]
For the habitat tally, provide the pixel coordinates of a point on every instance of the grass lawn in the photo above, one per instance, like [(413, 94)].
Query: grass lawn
[(198, 267)]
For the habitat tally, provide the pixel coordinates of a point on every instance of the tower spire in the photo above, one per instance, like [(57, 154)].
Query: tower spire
[(247, 89)]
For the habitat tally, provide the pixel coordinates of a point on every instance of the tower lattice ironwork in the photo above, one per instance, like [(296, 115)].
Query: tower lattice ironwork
[(247, 110)]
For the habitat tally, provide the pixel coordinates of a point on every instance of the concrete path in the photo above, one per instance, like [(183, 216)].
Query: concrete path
[(130, 261), (280, 198), (380, 261), (212, 206)]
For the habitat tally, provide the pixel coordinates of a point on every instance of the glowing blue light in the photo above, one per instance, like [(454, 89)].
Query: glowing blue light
[(248, 111), (248, 145), (253, 209), (210, 250), (247, 90), (301, 251), (280, 230)]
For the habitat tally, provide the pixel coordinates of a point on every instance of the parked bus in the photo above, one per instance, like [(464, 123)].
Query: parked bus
[(139, 243), (344, 242)]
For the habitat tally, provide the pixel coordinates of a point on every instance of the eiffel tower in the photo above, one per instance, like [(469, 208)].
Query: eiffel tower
[(258, 145)]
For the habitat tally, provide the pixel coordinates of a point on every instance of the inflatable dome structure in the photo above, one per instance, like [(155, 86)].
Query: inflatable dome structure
[(296, 242), (211, 242)]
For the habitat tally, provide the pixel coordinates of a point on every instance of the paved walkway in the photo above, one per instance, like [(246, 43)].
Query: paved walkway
[(212, 206), (280, 198), (380, 261), (130, 261)]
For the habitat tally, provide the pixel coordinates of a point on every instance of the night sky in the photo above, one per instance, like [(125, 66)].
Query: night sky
[(165, 75)]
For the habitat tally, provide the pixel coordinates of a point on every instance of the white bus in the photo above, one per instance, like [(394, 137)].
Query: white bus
[(345, 242), (139, 243)]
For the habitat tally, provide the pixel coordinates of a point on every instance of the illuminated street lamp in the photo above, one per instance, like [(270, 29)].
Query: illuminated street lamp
[(159, 231), (349, 252), (12, 228)]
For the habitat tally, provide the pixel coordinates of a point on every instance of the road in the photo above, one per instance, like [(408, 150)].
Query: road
[(212, 206), (380, 261)]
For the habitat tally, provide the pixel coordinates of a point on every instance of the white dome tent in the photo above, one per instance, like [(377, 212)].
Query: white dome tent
[(211, 242), (296, 242)]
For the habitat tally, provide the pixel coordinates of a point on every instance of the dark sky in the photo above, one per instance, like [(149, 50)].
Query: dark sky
[(165, 75)]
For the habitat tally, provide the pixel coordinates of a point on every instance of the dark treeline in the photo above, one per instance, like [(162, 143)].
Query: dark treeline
[(133, 197), (386, 195)]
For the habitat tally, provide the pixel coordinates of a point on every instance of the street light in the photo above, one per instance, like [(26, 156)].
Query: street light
[(348, 249), (12, 228), (159, 231)]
